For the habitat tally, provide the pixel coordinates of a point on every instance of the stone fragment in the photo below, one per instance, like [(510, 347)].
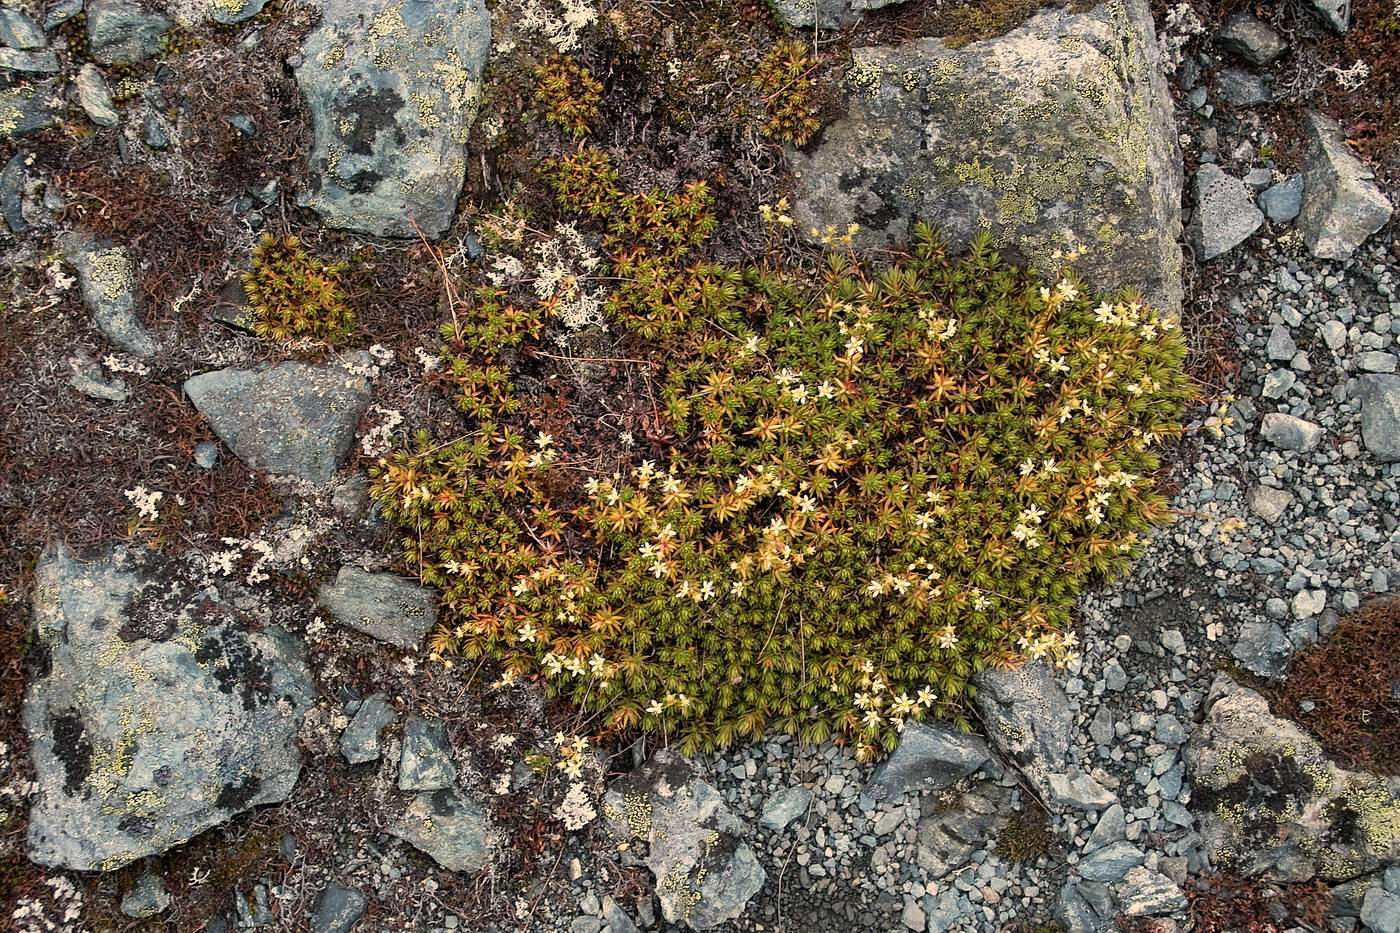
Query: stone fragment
[(1290, 432), (294, 419), (1080, 791), (1243, 88), (160, 711), (124, 32), (1146, 893), (929, 757), (1263, 649), (1059, 131), (425, 762), (18, 31), (1111, 862), (1283, 202), (449, 827), (1268, 503), (42, 62), (705, 871), (359, 743), (107, 281), (1225, 212), (382, 605), (393, 87), (95, 97), (1281, 345), (782, 808), (1342, 206), (1111, 827), (338, 909), (949, 835), (1251, 39), (1335, 13), (147, 898), (26, 109), (1380, 416), (1265, 793)]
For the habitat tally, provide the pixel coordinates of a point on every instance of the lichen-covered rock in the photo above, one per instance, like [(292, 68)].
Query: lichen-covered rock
[(359, 743), (449, 827), (1380, 415), (26, 109), (124, 32), (1269, 799), (1225, 216), (1057, 135), (294, 419), (192, 13), (382, 605), (157, 712), (107, 281), (1342, 206), (1028, 718), (705, 872), (393, 87), (425, 761)]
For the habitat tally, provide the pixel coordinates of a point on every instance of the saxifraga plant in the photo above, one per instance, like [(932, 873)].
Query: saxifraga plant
[(293, 295), (882, 479)]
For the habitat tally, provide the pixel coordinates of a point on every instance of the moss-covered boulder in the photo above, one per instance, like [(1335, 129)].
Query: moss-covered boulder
[(1057, 136), (1269, 798)]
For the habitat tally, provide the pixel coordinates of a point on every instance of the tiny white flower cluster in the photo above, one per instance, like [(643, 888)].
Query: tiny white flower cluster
[(146, 501), (670, 701), (1056, 646), (1027, 529), (559, 24), (545, 452), (379, 440), (877, 703)]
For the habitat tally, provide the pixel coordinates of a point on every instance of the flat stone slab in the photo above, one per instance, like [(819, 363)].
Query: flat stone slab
[(452, 829), (1056, 134), (929, 757), (382, 605), (157, 713), (393, 87), (294, 419)]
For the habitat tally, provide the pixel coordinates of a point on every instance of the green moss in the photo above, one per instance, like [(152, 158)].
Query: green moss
[(1026, 837), (293, 295), (867, 481)]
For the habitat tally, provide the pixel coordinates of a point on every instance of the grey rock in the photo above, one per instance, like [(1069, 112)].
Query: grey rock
[(1112, 827), (1268, 503), (161, 712), (1335, 13), (1111, 862), (425, 762), (18, 31), (1342, 206), (1078, 790), (124, 32), (359, 743), (704, 870), (390, 110), (60, 12), (1376, 361), (1028, 718), (1146, 893), (1059, 130), (617, 919), (1251, 39), (153, 132), (206, 454), (1101, 727), (1242, 88), (338, 909), (1380, 416), (929, 757), (1283, 202), (95, 97), (12, 188), (1334, 334), (147, 898), (107, 281), (1168, 730), (586, 925), (949, 835), (1225, 216), (1076, 914), (294, 419), (86, 376), (1290, 432), (43, 62), (382, 605), (1267, 793), (449, 827), (825, 14), (782, 808), (29, 109), (1263, 649), (1281, 345), (1380, 911), (233, 12)]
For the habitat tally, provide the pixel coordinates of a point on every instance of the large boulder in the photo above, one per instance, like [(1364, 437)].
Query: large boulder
[(1269, 799), (1059, 133), (393, 87), (1342, 206), (294, 419), (157, 711), (705, 872)]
